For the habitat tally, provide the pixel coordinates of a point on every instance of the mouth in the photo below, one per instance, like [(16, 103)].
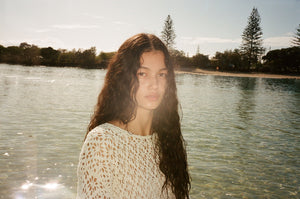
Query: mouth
[(152, 97)]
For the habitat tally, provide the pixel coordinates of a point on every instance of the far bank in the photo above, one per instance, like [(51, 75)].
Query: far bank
[(237, 74)]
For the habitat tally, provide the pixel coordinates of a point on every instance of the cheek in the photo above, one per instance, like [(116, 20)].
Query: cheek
[(142, 86), (163, 85), (140, 90)]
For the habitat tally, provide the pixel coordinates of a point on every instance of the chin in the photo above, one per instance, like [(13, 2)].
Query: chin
[(151, 107)]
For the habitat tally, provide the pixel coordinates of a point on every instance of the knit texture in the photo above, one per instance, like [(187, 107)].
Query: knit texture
[(115, 163)]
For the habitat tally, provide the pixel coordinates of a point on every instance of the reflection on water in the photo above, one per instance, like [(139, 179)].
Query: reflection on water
[(43, 117), (48, 190), (242, 134)]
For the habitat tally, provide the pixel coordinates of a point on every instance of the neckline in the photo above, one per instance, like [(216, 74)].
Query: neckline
[(130, 133)]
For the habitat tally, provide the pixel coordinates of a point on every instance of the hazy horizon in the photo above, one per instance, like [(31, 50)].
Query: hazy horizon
[(212, 25)]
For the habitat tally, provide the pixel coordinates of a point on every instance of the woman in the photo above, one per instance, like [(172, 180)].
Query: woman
[(134, 146)]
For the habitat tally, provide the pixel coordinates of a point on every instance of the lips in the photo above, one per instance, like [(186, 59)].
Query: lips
[(152, 97)]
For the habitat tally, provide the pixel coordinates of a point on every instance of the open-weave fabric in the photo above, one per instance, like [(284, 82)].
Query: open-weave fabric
[(114, 163)]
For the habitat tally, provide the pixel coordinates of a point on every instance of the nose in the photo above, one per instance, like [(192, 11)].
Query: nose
[(153, 83)]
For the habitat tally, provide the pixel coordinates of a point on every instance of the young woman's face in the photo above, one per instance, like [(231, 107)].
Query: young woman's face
[(152, 77)]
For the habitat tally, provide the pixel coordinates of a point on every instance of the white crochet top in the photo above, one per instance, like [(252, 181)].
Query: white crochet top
[(115, 163)]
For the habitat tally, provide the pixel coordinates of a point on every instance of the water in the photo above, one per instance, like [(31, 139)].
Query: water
[(242, 134)]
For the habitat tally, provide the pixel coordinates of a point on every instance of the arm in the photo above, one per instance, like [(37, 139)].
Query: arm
[(95, 168)]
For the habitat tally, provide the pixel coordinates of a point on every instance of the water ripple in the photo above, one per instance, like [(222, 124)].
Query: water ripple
[(242, 134)]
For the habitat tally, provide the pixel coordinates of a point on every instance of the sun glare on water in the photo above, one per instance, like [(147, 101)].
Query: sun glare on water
[(50, 189), (51, 186), (48, 186)]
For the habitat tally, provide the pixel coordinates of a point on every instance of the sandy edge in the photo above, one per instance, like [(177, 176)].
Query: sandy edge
[(218, 73)]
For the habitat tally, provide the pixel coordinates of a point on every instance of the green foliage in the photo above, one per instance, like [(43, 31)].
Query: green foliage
[(283, 61), (31, 54), (66, 58), (2, 51), (12, 55), (24, 45), (26, 54), (85, 58), (179, 59), (229, 61), (49, 56), (168, 34), (103, 58), (251, 47), (183, 62), (200, 61), (296, 39)]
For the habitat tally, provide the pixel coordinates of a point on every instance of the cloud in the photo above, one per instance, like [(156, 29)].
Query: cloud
[(281, 41), (274, 42), (74, 26), (10, 42), (93, 16), (122, 23), (215, 40), (57, 27), (104, 19), (44, 42), (43, 30)]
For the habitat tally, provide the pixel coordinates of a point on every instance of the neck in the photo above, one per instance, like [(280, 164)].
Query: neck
[(142, 123)]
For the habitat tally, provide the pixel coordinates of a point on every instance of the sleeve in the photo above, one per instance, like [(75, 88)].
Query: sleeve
[(95, 170)]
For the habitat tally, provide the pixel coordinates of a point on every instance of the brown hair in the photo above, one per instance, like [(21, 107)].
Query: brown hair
[(116, 101)]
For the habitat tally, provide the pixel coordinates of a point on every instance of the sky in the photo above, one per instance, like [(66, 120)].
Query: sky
[(207, 25)]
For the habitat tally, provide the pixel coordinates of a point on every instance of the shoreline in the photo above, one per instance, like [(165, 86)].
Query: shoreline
[(199, 71)]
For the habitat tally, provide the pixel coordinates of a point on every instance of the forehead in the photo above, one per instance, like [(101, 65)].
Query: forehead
[(153, 59)]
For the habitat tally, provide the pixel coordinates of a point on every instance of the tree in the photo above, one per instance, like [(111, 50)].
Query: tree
[(103, 59), (24, 45), (229, 60), (66, 58), (251, 47), (13, 55), (179, 59), (200, 61), (283, 61), (296, 39), (49, 56), (31, 55), (168, 34), (89, 57), (198, 50), (2, 52)]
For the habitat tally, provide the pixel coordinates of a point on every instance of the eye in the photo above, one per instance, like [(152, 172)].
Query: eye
[(142, 74), (164, 74)]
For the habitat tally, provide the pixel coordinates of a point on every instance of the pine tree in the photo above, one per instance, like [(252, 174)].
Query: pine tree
[(251, 47), (198, 50), (168, 34), (296, 39)]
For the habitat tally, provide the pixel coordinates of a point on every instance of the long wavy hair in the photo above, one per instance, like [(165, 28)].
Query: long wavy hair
[(116, 102)]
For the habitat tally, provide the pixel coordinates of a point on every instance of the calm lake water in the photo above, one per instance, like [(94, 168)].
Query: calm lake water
[(242, 134)]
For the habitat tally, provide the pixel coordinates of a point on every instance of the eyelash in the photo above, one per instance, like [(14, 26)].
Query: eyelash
[(142, 74), (163, 74)]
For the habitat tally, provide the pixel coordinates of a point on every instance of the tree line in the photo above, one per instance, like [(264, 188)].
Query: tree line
[(248, 58), (282, 61), (27, 54)]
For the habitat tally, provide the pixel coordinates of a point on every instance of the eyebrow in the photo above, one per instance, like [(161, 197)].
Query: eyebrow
[(162, 69)]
